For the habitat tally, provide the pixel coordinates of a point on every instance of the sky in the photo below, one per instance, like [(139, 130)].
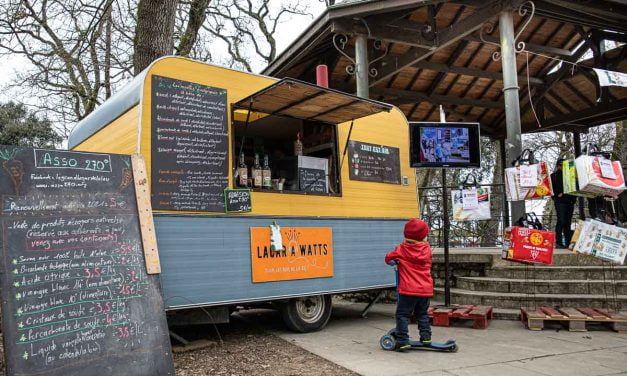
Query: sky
[(286, 33)]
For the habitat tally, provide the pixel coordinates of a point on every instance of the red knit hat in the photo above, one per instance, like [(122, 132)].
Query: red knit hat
[(415, 229)]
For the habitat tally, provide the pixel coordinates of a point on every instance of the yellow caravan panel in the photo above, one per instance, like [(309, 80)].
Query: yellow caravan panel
[(359, 199)]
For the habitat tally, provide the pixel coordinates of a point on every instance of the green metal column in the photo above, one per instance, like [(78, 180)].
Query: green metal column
[(513, 144), (361, 65)]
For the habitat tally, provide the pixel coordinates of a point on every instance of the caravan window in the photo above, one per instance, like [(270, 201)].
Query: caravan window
[(283, 154)]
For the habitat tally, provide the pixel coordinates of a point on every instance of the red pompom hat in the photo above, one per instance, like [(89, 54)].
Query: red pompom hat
[(415, 229)]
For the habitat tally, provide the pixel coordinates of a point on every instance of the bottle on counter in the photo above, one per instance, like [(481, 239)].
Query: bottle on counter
[(242, 172), (298, 145), (256, 173), (266, 173)]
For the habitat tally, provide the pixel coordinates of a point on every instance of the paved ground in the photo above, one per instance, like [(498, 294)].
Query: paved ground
[(505, 348)]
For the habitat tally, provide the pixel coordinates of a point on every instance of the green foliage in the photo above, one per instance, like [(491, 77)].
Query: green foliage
[(20, 127)]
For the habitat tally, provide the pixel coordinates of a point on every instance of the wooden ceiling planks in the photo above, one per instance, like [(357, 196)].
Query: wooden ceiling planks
[(480, 79)]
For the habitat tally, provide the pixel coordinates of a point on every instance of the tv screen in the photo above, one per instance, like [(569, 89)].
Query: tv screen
[(444, 145)]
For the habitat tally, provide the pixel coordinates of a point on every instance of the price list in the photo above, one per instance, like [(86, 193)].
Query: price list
[(189, 145), (76, 297)]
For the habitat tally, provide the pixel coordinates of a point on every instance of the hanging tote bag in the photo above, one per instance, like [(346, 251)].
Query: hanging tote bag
[(527, 242), (569, 180), (471, 202), (598, 174), (527, 178)]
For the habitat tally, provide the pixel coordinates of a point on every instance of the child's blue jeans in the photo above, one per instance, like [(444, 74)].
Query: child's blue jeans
[(405, 305)]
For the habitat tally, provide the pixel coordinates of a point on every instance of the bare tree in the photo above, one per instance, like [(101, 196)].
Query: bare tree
[(73, 54), (79, 51), (154, 33), (242, 24)]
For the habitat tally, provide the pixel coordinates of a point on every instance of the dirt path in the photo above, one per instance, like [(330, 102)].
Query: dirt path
[(245, 350)]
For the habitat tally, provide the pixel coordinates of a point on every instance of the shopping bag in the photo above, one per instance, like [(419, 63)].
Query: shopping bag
[(471, 202), (533, 185), (569, 180), (527, 242), (602, 240), (599, 175)]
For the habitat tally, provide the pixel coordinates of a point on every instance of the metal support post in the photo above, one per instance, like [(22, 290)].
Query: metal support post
[(361, 71), (502, 150), (577, 143), (446, 224), (512, 100)]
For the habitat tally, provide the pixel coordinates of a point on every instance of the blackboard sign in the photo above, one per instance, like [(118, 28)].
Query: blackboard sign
[(189, 146), (312, 180), (237, 200), (76, 299), (376, 163)]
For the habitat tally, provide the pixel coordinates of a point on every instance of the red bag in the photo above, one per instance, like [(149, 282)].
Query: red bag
[(528, 243)]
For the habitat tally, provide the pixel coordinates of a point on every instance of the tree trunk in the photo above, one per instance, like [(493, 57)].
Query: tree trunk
[(197, 14), (154, 31)]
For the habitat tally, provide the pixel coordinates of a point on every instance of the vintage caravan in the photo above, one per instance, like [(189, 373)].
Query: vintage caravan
[(229, 154)]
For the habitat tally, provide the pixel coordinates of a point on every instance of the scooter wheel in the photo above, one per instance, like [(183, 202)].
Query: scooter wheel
[(453, 348), (387, 342)]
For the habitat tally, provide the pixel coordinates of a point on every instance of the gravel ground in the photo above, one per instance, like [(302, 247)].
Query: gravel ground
[(242, 348), (247, 350)]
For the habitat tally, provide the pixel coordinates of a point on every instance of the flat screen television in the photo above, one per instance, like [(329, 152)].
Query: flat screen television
[(444, 144)]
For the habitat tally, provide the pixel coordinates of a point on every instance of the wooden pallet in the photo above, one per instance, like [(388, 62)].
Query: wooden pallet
[(576, 318), (481, 315)]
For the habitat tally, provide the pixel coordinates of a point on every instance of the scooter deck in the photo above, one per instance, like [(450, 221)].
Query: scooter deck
[(449, 345), (388, 342)]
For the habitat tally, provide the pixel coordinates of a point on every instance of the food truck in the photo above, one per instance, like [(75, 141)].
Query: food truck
[(262, 190)]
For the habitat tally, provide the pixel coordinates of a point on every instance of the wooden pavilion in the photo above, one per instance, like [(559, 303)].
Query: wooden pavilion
[(424, 53)]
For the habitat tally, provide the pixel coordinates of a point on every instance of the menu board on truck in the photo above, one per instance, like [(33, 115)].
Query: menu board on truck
[(375, 163), (189, 146), (76, 298)]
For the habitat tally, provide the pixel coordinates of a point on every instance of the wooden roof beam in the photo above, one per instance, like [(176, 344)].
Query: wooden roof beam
[(438, 67), (445, 37), (383, 32), (601, 113), (407, 96), (531, 47), (606, 10)]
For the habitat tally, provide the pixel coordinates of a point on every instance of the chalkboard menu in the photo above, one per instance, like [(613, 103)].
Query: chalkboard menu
[(189, 146), (76, 299), (376, 163), (237, 200), (312, 180)]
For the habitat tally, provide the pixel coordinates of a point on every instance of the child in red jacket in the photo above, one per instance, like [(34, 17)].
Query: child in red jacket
[(415, 285)]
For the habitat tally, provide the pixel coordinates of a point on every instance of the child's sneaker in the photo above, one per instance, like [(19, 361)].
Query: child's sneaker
[(426, 341), (401, 347)]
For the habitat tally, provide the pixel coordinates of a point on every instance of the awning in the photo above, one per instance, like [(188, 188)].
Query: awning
[(302, 100)]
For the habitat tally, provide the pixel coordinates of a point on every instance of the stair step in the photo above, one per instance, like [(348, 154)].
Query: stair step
[(516, 300), (559, 272), (542, 286)]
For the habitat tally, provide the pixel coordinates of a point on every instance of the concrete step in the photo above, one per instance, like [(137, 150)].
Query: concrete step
[(595, 273), (516, 300), (542, 286)]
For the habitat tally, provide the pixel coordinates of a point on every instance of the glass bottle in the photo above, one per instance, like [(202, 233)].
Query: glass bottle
[(266, 173), (256, 173), (298, 145), (242, 172)]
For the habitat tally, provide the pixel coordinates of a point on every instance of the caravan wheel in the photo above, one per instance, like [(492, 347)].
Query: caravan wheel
[(307, 314)]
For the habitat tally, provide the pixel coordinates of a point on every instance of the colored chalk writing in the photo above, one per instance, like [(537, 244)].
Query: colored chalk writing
[(76, 296), (189, 146), (375, 163)]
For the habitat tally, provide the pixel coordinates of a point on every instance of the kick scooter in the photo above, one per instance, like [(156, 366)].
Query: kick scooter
[(388, 340)]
